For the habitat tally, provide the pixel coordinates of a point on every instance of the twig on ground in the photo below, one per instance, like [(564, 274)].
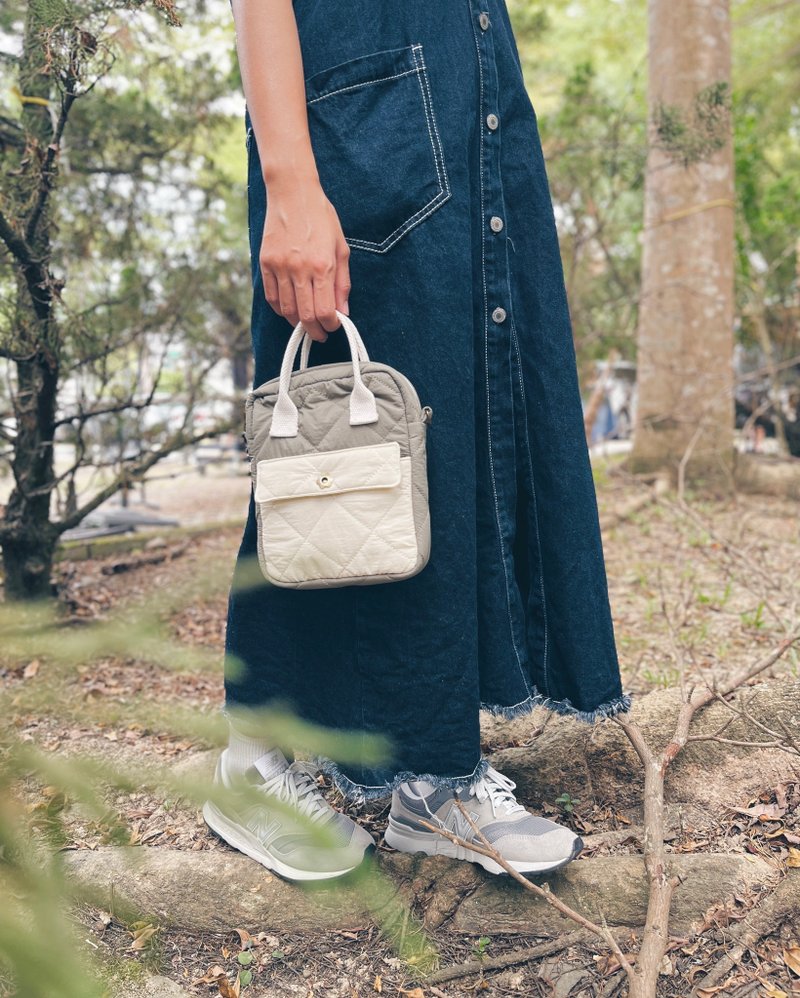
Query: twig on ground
[(782, 903), (505, 959), (543, 892), (641, 969)]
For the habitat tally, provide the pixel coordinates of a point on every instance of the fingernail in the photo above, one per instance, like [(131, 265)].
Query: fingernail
[(346, 308)]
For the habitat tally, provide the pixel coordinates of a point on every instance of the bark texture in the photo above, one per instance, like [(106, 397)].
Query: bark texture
[(685, 333)]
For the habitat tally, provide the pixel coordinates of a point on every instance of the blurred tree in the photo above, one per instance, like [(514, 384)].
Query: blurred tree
[(585, 66), (585, 69), (685, 334), (122, 274)]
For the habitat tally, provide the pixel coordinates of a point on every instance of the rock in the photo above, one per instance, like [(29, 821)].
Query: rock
[(217, 890), (615, 886), (597, 762), (129, 979)]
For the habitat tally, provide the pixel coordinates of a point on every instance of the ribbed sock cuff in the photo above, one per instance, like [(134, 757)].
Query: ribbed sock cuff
[(243, 750)]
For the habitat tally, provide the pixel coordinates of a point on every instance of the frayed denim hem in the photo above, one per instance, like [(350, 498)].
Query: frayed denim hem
[(564, 707), (360, 793)]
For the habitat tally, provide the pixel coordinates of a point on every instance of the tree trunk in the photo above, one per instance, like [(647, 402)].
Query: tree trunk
[(685, 331), (26, 534)]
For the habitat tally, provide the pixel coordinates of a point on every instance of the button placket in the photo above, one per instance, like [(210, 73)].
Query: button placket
[(497, 340)]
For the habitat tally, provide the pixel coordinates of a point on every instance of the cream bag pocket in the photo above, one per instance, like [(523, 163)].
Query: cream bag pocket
[(338, 464), (338, 514)]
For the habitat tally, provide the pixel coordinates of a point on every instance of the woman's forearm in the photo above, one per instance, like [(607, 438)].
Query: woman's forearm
[(271, 65)]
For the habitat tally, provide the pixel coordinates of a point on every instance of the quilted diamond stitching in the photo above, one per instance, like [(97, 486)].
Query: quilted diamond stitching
[(307, 534)]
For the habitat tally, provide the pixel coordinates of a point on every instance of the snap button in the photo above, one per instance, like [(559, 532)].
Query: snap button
[(324, 482), (492, 121), (483, 20), (496, 223), (499, 314)]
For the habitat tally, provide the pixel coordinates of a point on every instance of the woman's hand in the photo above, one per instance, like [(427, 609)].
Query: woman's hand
[(304, 257)]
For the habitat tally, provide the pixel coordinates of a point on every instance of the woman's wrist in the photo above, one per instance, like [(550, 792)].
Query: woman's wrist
[(289, 168)]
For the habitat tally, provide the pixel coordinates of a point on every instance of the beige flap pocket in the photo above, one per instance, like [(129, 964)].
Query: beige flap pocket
[(329, 472), (335, 516)]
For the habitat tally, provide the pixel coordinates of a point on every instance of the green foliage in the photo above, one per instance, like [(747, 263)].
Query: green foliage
[(125, 173), (689, 137), (480, 948), (31, 835), (566, 802), (585, 64)]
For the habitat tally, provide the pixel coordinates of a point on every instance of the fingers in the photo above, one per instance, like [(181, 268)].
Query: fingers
[(325, 301), (341, 287), (305, 269)]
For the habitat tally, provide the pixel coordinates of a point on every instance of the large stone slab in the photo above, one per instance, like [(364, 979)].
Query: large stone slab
[(219, 890), (614, 886)]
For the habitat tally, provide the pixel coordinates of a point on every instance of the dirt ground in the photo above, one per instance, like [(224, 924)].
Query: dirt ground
[(698, 589)]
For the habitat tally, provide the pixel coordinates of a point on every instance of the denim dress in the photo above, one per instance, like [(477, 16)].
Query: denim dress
[(427, 145)]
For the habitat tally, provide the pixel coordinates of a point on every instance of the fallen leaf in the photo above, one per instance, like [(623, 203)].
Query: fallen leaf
[(142, 936), (794, 857), (413, 993), (377, 984), (211, 975), (772, 992), (791, 957), (228, 990), (710, 992), (761, 812), (31, 669)]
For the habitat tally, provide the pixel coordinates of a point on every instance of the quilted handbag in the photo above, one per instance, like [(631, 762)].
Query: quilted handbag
[(339, 470)]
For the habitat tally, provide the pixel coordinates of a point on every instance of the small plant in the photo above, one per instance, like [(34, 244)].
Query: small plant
[(479, 948), (753, 618), (664, 679), (566, 803)]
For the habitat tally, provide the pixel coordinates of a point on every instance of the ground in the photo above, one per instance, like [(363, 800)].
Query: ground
[(702, 587)]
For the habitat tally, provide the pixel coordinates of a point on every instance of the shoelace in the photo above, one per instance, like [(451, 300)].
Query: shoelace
[(298, 786), (498, 788)]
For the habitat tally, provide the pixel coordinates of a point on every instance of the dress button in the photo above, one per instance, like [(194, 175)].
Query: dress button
[(483, 20), (492, 121), (499, 314), (496, 223)]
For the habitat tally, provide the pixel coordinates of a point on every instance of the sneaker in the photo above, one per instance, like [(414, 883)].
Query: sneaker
[(531, 844), (276, 839)]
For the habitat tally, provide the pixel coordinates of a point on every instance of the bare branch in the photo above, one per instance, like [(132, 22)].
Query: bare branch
[(131, 471), (487, 849)]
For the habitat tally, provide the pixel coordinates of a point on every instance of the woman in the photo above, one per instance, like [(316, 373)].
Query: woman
[(395, 173)]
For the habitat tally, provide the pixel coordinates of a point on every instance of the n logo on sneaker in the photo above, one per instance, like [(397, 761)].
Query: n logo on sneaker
[(457, 823)]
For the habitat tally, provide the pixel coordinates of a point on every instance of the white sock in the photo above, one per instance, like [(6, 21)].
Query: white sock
[(243, 750)]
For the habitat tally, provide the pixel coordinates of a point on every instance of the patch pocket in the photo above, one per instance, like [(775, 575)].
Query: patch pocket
[(332, 516), (377, 145)]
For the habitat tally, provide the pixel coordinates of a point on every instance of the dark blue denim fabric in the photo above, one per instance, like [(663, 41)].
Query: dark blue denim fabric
[(427, 145)]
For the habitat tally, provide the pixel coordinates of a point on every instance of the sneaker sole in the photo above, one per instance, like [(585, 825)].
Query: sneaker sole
[(407, 840), (248, 844)]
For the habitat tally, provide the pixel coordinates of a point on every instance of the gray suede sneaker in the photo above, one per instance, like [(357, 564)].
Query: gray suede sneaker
[(530, 844), (278, 837)]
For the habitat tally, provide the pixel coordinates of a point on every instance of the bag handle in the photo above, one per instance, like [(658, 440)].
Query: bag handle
[(363, 408), (306, 347)]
